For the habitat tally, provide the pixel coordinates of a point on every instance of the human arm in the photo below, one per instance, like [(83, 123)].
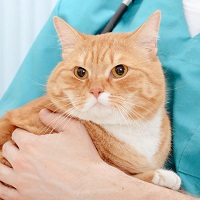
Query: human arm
[(67, 166)]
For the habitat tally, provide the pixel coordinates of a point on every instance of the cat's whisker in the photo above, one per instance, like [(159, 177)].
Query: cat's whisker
[(125, 111), (46, 128), (69, 110), (69, 118), (62, 118), (117, 114), (64, 100), (59, 120), (139, 118), (139, 106), (44, 131), (148, 110), (146, 100), (40, 84), (132, 103), (121, 113), (139, 115), (127, 115), (129, 111)]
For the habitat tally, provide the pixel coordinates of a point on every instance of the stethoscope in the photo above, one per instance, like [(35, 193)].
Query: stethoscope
[(117, 16)]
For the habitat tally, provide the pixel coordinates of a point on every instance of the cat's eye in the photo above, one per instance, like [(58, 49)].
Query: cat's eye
[(119, 71), (80, 73)]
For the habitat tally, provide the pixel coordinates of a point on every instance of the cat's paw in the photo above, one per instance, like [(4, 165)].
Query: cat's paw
[(167, 179)]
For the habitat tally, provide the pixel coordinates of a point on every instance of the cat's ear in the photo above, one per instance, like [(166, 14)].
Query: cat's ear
[(68, 36), (147, 35)]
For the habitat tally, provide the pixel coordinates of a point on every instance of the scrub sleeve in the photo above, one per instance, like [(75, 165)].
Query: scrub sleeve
[(178, 52)]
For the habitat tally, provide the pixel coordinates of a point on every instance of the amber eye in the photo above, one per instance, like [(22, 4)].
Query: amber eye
[(80, 73), (119, 71)]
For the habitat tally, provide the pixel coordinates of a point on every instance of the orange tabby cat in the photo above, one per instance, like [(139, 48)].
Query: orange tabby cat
[(115, 85)]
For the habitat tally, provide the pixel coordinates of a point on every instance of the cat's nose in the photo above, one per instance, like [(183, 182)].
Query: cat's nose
[(96, 92)]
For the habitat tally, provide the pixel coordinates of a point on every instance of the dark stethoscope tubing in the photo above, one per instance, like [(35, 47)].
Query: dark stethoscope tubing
[(117, 16)]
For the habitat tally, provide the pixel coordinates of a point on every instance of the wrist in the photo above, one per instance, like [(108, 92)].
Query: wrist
[(110, 183), (117, 185), (140, 190)]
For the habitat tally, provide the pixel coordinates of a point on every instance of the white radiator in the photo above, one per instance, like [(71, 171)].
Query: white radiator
[(20, 23)]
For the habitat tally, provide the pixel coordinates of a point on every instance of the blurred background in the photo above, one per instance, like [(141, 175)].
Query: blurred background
[(21, 21)]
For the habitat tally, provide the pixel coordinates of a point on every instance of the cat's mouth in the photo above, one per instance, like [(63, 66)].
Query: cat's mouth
[(98, 105), (95, 107), (96, 112)]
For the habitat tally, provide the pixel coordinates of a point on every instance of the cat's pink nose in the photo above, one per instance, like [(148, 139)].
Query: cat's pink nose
[(96, 92)]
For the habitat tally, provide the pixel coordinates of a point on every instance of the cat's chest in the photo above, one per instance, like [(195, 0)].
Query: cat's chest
[(144, 137)]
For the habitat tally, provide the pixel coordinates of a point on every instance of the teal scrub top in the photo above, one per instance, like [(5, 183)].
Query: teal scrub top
[(178, 52)]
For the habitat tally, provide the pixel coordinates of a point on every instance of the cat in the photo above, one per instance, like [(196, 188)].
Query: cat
[(114, 84)]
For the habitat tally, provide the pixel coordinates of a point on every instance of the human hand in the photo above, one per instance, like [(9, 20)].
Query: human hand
[(59, 166), (66, 166)]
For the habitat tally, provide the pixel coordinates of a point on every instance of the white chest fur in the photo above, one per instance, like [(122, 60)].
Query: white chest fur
[(142, 136)]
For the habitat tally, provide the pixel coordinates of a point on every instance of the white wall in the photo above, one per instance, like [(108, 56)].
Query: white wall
[(20, 22), (192, 14)]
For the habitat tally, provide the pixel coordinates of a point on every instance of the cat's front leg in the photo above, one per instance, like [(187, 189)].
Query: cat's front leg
[(6, 129), (162, 177), (25, 117)]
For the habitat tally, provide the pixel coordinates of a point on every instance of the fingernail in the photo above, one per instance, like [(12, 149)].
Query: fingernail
[(44, 111)]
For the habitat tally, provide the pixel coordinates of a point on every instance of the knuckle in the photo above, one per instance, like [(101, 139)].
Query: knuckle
[(4, 194), (5, 148), (20, 163), (15, 131), (27, 144), (21, 183), (17, 161)]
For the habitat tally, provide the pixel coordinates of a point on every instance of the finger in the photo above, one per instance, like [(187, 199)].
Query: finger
[(8, 193), (20, 136), (9, 151), (6, 174), (55, 121)]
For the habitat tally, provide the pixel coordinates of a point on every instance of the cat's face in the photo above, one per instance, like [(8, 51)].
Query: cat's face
[(108, 77)]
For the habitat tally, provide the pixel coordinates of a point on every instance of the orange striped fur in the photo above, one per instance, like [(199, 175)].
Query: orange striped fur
[(133, 103)]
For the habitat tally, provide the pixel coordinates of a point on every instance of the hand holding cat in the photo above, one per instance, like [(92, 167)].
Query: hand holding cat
[(66, 166), (58, 166)]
